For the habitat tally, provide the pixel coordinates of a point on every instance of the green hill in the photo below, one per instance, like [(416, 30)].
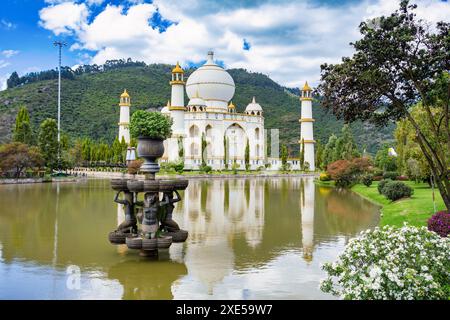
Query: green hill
[(90, 104)]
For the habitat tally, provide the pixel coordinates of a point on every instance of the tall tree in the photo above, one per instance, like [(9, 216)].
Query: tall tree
[(204, 155), (247, 156), (284, 156), (397, 62), (225, 151), (328, 152), (48, 143), (22, 129), (180, 148), (302, 154), (116, 151), (319, 154)]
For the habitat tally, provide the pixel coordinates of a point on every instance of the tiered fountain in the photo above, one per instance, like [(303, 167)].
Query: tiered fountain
[(157, 228)]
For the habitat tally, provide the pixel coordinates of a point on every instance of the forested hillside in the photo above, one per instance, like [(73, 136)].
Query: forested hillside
[(90, 103)]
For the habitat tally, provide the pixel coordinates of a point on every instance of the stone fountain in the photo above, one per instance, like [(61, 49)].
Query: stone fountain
[(154, 215)]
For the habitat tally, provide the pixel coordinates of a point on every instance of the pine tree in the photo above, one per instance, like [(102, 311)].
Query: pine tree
[(180, 148), (319, 154), (284, 155), (329, 149), (247, 156), (22, 130), (302, 154), (204, 155), (116, 151), (48, 142), (225, 151)]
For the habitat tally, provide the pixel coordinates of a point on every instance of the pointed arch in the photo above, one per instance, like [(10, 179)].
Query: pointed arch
[(194, 131)]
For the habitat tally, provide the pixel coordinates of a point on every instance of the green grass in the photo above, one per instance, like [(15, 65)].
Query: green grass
[(415, 210)]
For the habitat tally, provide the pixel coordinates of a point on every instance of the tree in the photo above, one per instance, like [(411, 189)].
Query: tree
[(397, 62), (346, 144), (302, 154), (180, 148), (86, 149), (319, 154), (225, 151), (116, 151), (384, 160), (204, 155), (13, 80), (22, 129), (284, 156), (247, 156), (17, 156), (48, 143), (329, 150)]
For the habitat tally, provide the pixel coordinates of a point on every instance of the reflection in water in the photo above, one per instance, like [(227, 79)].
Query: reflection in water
[(248, 238)]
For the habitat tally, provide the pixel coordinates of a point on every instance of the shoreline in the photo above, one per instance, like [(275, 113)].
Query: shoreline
[(120, 175), (40, 180)]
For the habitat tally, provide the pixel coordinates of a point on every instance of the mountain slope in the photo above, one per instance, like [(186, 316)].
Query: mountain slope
[(90, 104)]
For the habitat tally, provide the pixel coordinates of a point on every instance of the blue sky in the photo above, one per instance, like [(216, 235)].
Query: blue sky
[(287, 39)]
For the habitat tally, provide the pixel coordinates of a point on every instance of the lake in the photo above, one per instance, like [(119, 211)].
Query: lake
[(259, 238)]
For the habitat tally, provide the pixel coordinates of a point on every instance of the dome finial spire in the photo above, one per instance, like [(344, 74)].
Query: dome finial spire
[(254, 99), (210, 58)]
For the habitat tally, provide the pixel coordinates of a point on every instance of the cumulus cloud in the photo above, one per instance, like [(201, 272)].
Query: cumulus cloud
[(289, 40), (9, 53), (66, 17)]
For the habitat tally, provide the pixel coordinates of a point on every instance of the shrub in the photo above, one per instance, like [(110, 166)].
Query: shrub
[(377, 172), (150, 124), (390, 175), (396, 190), (391, 263), (361, 165), (341, 172), (382, 184), (402, 178), (377, 178), (206, 169), (367, 180), (324, 177), (440, 223)]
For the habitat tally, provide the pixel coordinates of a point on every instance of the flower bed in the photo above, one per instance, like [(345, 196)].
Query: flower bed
[(392, 263)]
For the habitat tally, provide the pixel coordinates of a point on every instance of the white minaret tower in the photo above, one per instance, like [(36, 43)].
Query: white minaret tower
[(177, 107), (306, 126), (124, 122), (177, 110)]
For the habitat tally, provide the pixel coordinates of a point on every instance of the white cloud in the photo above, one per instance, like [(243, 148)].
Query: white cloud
[(289, 40), (3, 81), (4, 64), (7, 25), (9, 53), (66, 17)]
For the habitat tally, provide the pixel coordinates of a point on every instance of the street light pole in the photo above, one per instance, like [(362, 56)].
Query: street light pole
[(59, 44)]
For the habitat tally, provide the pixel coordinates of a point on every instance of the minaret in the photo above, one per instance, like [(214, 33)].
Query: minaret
[(124, 122), (306, 126), (177, 107)]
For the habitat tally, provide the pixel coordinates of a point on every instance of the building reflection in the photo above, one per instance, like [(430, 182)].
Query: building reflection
[(215, 212), (307, 201)]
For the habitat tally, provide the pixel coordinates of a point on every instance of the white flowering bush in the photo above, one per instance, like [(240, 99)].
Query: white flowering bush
[(391, 263)]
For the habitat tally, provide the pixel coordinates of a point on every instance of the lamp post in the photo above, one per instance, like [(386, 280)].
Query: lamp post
[(59, 44)]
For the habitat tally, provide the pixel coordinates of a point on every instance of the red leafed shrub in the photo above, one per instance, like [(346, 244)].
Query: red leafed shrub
[(345, 173), (377, 178), (440, 223), (402, 178)]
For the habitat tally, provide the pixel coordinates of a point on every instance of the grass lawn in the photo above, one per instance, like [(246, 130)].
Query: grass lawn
[(415, 210)]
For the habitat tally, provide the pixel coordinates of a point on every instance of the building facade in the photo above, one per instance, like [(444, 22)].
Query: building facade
[(209, 127)]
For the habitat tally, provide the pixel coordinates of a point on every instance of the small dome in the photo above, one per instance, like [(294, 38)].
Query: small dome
[(253, 106), (306, 87), (197, 101), (231, 105), (177, 69), (125, 94)]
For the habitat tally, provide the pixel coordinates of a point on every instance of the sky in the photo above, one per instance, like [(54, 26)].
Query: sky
[(287, 40)]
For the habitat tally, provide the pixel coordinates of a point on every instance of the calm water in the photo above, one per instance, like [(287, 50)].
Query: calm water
[(248, 239)]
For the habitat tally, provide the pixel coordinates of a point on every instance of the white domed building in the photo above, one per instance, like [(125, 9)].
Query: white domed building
[(211, 114)]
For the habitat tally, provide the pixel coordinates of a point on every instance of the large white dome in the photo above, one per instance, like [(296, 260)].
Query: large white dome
[(212, 83)]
